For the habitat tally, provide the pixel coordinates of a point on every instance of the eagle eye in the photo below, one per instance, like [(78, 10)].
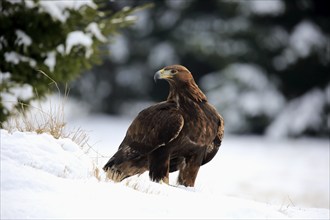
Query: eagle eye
[(173, 71)]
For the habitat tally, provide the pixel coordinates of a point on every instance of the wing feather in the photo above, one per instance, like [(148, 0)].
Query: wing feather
[(154, 127), (213, 148)]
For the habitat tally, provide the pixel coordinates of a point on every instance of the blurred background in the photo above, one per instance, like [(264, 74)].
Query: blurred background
[(263, 64)]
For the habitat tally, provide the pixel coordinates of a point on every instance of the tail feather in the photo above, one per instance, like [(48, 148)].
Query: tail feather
[(124, 164), (109, 164)]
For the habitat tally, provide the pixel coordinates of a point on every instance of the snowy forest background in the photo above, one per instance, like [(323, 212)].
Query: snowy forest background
[(264, 64)]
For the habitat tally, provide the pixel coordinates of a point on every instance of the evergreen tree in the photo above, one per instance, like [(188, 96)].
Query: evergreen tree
[(46, 41)]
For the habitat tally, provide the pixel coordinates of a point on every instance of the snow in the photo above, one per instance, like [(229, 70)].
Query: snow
[(247, 91), (23, 92), (243, 91), (94, 29), (79, 38), (58, 8), (144, 25), (60, 49), (29, 4), (61, 158), (162, 54), (16, 92), (23, 38), (119, 49), (168, 19), (267, 7), (306, 36), (4, 76), (278, 38), (299, 115), (266, 161), (178, 5), (251, 177), (16, 58), (129, 18), (131, 76), (50, 61)]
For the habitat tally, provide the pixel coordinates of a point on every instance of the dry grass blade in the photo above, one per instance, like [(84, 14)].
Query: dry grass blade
[(49, 118), (38, 119), (80, 137)]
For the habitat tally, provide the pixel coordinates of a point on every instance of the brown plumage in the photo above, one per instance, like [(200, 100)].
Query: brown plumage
[(181, 133)]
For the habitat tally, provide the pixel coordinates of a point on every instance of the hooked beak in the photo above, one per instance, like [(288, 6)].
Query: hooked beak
[(162, 74), (158, 75)]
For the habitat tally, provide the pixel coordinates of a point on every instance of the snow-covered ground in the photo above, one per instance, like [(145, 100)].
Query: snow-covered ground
[(251, 177)]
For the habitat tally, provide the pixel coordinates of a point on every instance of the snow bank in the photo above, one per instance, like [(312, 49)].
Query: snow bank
[(272, 171), (61, 158), (42, 177)]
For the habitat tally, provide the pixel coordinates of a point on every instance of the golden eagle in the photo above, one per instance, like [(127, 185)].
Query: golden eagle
[(181, 133)]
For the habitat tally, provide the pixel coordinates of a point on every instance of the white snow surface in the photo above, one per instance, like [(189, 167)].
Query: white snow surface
[(251, 177)]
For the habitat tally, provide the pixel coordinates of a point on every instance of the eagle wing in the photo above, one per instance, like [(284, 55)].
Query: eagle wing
[(213, 148), (154, 127)]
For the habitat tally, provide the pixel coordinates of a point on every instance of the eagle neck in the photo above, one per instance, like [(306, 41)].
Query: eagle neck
[(179, 92)]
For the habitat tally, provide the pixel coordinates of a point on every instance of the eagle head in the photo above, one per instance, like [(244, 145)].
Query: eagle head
[(174, 73), (181, 82)]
